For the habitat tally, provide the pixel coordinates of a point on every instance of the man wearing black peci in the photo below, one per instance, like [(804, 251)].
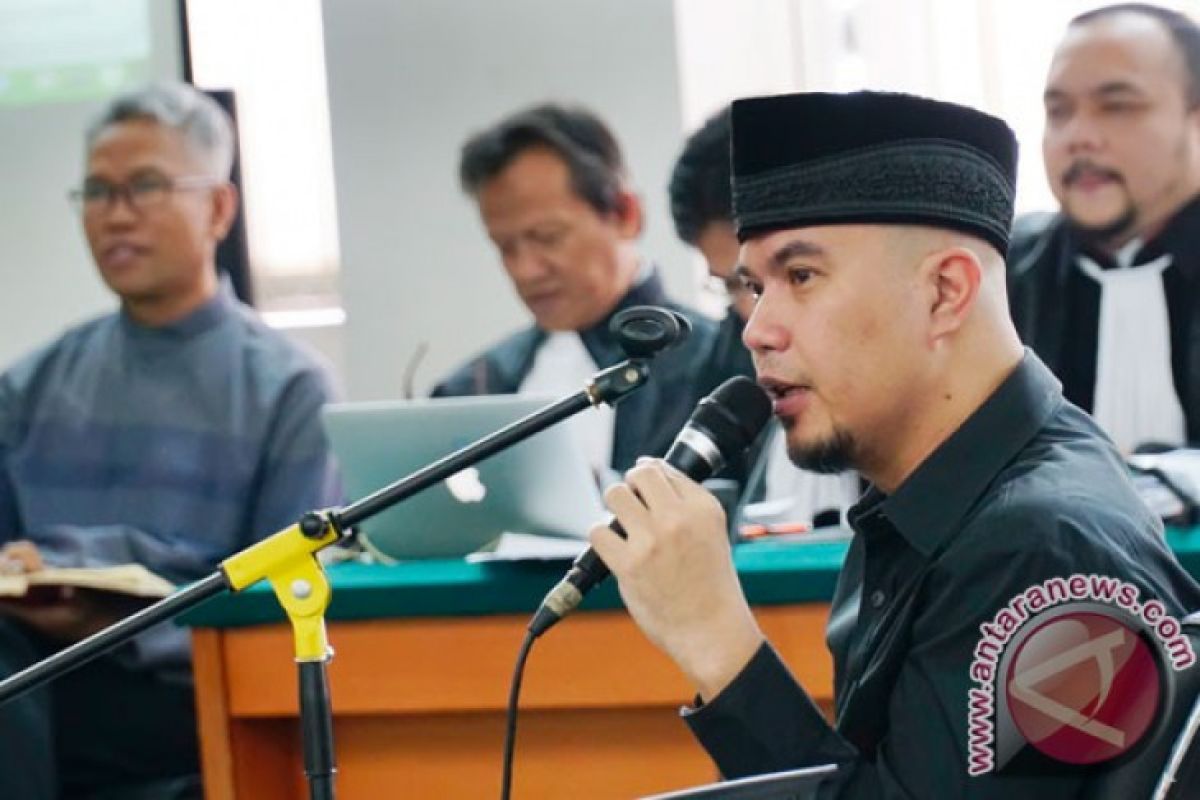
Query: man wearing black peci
[(873, 229)]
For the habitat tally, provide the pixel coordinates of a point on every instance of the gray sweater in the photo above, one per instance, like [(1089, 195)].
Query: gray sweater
[(172, 447)]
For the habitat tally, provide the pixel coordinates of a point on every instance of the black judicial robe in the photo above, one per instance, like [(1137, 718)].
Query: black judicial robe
[(1057, 309), (647, 420)]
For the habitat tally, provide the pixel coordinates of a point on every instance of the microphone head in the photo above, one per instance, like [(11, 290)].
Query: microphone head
[(644, 331), (733, 415)]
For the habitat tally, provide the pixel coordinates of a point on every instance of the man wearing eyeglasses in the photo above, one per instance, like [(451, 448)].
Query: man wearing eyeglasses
[(702, 210), (171, 433)]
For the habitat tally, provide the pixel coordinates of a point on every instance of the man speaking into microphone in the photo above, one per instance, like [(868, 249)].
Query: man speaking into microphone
[(874, 229)]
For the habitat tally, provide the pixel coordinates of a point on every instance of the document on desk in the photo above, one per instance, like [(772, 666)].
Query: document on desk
[(1168, 482), (1183, 462), (530, 547)]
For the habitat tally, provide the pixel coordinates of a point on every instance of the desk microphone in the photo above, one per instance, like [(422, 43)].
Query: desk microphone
[(644, 331), (722, 426)]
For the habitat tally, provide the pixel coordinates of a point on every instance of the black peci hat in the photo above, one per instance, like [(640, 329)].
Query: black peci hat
[(871, 157)]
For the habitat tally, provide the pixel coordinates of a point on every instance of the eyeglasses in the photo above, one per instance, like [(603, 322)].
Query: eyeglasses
[(730, 287), (142, 194)]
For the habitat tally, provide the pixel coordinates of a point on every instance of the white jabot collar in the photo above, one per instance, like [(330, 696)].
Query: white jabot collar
[(563, 366), (1135, 398)]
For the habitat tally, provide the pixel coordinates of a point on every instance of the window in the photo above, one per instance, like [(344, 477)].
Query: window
[(271, 54), (990, 54)]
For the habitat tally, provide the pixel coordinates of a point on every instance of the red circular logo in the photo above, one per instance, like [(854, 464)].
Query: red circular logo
[(1083, 687)]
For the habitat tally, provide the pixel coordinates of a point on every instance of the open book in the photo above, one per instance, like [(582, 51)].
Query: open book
[(128, 579)]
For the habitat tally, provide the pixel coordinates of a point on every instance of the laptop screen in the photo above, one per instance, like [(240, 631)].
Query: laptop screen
[(541, 485)]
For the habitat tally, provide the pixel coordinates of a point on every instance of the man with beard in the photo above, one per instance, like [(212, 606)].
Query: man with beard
[(1106, 290), (873, 230), (702, 210)]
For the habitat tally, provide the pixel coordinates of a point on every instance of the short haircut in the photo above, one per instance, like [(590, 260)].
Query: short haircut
[(205, 126), (699, 189), (1184, 31), (576, 135)]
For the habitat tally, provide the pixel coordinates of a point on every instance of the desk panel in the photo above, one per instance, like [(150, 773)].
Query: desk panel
[(419, 706)]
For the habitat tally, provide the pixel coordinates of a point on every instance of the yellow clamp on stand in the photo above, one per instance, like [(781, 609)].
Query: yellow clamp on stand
[(287, 560)]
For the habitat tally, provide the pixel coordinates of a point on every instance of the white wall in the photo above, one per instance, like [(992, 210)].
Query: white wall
[(725, 53), (408, 82), (47, 279)]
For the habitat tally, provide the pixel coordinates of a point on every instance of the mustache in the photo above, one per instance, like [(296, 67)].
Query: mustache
[(1084, 167)]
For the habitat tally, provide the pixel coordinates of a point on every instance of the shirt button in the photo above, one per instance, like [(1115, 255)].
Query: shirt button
[(878, 598)]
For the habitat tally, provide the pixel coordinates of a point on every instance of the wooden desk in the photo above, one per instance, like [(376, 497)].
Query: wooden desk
[(419, 698), (424, 657)]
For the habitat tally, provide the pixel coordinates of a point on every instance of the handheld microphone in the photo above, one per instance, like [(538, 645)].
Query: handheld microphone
[(722, 426)]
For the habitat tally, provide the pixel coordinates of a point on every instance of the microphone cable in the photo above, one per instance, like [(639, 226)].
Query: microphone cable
[(510, 719), (723, 425), (642, 332)]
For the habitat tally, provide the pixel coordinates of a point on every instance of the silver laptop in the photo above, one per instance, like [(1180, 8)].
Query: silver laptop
[(541, 486)]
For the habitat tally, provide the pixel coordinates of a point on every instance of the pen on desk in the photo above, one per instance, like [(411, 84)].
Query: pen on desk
[(759, 530)]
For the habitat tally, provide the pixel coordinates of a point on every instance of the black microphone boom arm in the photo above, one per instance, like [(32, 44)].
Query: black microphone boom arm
[(723, 425), (607, 386), (287, 559), (317, 530)]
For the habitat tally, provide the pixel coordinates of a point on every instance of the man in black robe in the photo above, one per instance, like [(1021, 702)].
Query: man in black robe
[(552, 191), (1105, 291)]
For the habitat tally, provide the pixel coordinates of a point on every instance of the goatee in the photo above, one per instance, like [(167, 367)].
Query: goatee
[(833, 455), (1110, 232)]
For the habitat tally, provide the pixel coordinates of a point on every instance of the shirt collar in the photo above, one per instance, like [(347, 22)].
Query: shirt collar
[(208, 315), (931, 504)]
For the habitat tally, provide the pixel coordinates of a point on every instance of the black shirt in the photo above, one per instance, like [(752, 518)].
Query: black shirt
[(1028, 489)]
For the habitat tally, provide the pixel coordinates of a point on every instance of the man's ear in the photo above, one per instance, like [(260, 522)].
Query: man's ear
[(224, 209), (1193, 119), (953, 277), (628, 212)]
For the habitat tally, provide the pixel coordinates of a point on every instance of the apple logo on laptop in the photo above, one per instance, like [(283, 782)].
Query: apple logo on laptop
[(466, 487)]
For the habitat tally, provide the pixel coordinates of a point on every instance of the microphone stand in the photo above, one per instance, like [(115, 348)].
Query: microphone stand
[(287, 560)]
